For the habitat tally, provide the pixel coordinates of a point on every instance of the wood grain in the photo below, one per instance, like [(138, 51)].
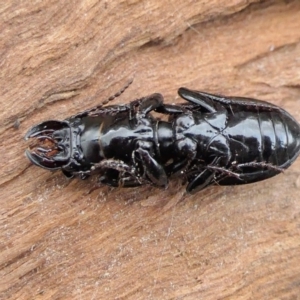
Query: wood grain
[(58, 241)]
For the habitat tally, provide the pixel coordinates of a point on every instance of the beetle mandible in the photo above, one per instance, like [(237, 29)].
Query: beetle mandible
[(210, 139)]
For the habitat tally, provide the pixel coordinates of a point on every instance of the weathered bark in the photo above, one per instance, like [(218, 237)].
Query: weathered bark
[(58, 241)]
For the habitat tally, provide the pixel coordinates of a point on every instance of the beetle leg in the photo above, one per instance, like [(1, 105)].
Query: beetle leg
[(119, 179), (202, 100), (143, 157), (260, 165), (213, 102), (169, 109), (176, 166), (187, 150), (129, 181), (224, 171), (138, 108), (208, 175), (141, 107), (201, 181), (117, 173), (81, 174), (67, 174)]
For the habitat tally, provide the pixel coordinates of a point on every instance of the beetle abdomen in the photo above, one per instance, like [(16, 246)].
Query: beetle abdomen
[(263, 145), (287, 132), (271, 137)]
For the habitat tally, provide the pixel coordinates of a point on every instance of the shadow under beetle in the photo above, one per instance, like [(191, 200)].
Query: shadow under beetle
[(208, 140)]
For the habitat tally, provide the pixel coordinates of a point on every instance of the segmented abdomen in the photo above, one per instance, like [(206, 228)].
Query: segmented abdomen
[(271, 137)]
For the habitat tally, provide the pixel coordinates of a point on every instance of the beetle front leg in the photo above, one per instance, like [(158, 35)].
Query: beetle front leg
[(117, 173), (141, 107), (81, 174)]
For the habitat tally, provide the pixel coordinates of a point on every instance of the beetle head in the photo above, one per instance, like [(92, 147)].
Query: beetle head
[(51, 144)]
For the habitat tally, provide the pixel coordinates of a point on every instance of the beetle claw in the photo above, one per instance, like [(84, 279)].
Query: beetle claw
[(45, 128), (43, 161), (47, 149)]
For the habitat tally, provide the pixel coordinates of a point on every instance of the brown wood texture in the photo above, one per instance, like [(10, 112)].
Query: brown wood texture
[(58, 241)]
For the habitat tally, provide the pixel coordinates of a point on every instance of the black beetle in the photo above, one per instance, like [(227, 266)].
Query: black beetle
[(210, 139)]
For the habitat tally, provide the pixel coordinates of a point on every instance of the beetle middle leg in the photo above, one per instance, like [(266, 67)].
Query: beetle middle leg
[(143, 158)]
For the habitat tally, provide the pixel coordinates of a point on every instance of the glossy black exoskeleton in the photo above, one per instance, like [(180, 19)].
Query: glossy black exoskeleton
[(208, 140)]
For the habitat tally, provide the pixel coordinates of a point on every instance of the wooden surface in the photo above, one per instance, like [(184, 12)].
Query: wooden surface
[(60, 242)]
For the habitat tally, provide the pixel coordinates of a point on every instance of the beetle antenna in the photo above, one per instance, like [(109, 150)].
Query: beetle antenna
[(94, 110), (119, 93)]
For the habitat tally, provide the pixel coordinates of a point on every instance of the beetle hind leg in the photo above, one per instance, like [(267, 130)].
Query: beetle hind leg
[(210, 174), (260, 165), (200, 181)]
